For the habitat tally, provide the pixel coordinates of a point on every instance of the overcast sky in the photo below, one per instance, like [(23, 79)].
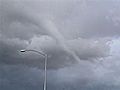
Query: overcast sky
[(80, 37)]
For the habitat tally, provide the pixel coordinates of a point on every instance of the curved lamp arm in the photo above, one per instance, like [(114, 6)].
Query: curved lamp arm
[(43, 54)]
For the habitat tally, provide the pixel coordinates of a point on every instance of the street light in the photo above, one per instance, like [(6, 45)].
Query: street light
[(45, 65)]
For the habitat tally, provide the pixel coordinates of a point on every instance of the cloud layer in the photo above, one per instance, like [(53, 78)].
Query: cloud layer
[(86, 29), (22, 23)]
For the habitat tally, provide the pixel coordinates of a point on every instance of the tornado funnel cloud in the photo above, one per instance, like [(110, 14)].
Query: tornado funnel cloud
[(51, 30)]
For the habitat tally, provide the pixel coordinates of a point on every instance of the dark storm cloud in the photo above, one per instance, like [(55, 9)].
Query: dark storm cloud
[(20, 21), (9, 49), (28, 78), (87, 27), (84, 48), (74, 19), (85, 76), (57, 57)]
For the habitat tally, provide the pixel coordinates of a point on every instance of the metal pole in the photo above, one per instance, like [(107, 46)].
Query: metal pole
[(45, 73)]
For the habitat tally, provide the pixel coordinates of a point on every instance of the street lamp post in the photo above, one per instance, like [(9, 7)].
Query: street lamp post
[(45, 65)]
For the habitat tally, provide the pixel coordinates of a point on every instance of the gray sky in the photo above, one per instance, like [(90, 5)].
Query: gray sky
[(66, 30)]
